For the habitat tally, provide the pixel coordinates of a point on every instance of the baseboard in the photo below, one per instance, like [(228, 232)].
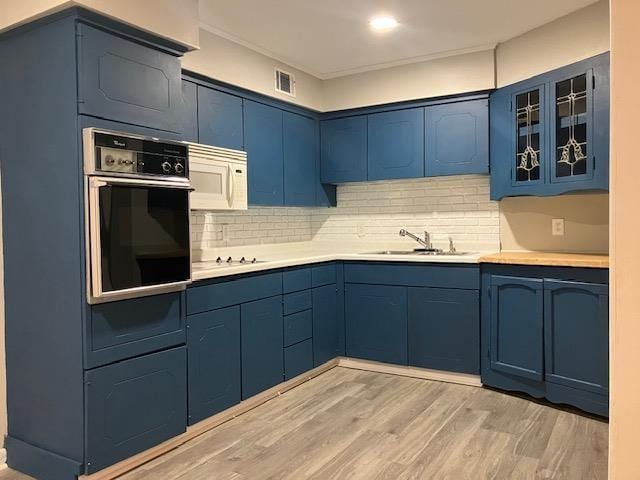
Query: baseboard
[(415, 372), (199, 428)]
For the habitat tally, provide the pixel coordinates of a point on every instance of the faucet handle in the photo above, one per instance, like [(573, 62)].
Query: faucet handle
[(452, 248), (403, 232)]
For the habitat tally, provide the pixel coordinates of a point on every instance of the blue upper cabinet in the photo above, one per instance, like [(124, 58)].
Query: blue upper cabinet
[(457, 138), (220, 119), (550, 134), (263, 138), (301, 152), (122, 80), (576, 335), (344, 149), (516, 326), (189, 111), (396, 144)]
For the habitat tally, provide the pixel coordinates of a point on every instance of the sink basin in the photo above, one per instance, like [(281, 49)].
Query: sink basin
[(417, 252)]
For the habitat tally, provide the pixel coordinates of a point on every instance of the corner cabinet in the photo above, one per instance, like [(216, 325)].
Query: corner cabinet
[(550, 134), (545, 331)]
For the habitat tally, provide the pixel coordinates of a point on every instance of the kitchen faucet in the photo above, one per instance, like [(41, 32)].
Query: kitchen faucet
[(426, 243)]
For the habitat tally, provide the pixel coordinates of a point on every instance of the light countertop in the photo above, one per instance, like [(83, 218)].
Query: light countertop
[(548, 259), (292, 254)]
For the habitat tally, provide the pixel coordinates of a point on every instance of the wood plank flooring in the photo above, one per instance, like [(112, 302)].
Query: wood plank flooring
[(352, 424)]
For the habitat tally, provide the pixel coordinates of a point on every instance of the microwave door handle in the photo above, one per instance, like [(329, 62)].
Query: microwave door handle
[(230, 185)]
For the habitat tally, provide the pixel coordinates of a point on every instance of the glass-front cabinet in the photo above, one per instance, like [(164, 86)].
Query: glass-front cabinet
[(550, 134)]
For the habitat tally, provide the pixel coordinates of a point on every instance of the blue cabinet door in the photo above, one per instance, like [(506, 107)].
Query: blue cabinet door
[(126, 81), (298, 359), (576, 335), (396, 144), (261, 345), (444, 329), (516, 327), (134, 405), (343, 153), (457, 138), (301, 174), (213, 343), (263, 143), (189, 112), (376, 322), (550, 134), (328, 325), (220, 119)]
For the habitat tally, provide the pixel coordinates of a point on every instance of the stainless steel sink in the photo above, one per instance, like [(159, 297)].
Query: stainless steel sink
[(417, 252)]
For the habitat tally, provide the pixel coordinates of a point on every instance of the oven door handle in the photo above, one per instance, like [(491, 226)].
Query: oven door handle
[(98, 182)]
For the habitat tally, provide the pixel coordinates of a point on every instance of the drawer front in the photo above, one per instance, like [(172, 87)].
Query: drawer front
[(201, 298), (134, 405), (128, 328), (297, 302), (323, 275), (125, 81), (298, 359), (465, 276), (298, 327), (296, 280)]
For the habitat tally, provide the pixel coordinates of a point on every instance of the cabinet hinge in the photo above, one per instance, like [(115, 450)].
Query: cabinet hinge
[(488, 353), (489, 292), (593, 82), (511, 105), (594, 162)]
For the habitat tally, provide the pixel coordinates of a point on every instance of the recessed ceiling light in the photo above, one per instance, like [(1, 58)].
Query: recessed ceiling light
[(383, 23)]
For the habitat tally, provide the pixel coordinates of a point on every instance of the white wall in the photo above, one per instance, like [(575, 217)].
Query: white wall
[(232, 63), (579, 35), (173, 19), (444, 76)]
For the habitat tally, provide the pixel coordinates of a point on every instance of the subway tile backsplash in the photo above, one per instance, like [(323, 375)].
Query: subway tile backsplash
[(456, 206)]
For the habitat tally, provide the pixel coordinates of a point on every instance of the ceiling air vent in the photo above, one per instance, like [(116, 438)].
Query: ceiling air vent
[(285, 83)]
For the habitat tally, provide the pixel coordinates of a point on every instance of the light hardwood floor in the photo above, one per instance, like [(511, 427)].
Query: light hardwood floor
[(351, 424)]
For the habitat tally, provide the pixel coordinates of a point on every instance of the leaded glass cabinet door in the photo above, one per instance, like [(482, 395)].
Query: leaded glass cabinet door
[(529, 152), (570, 139)]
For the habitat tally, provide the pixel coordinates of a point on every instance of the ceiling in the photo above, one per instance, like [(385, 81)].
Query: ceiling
[(331, 38)]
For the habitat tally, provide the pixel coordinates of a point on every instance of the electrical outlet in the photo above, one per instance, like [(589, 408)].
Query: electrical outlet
[(557, 227), (360, 230)]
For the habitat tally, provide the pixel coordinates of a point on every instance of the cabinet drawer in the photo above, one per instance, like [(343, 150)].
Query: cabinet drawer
[(127, 328), (296, 279), (296, 302), (201, 298), (298, 327), (298, 359), (134, 405), (125, 81), (414, 275), (323, 275)]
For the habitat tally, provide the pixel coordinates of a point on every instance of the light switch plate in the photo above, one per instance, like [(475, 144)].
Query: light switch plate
[(557, 227)]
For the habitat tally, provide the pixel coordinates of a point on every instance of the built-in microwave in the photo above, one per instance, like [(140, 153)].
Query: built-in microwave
[(218, 177)]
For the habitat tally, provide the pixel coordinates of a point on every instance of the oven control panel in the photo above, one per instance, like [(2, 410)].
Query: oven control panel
[(139, 156)]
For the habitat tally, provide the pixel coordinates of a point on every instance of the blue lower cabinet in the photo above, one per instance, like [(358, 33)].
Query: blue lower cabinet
[(128, 328), (396, 144), (261, 345), (457, 138), (298, 327), (296, 302), (134, 405), (298, 359), (376, 322), (516, 326), (328, 324), (576, 335), (444, 329), (213, 340)]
